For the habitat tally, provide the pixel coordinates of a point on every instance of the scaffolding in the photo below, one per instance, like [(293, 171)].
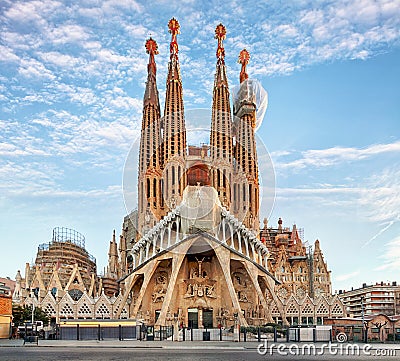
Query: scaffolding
[(66, 249), (63, 234)]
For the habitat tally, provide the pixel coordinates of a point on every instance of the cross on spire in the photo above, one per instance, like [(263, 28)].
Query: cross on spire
[(244, 58), (220, 35), (174, 29)]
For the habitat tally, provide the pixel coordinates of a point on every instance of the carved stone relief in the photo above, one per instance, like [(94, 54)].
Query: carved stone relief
[(160, 288), (242, 285), (199, 284)]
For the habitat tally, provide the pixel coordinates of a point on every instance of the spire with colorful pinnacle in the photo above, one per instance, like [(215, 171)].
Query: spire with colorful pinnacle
[(244, 111), (174, 129), (150, 142), (220, 35), (244, 58), (151, 94), (221, 148)]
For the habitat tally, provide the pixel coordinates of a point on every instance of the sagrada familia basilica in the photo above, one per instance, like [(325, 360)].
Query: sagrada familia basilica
[(194, 248)]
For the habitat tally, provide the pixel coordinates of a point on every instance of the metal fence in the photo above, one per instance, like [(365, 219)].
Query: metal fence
[(161, 333), (207, 334), (78, 332), (309, 334)]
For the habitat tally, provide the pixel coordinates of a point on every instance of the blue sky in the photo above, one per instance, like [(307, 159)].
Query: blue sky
[(71, 86)]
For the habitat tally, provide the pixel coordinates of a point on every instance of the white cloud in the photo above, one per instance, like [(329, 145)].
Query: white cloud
[(111, 5), (68, 33), (287, 30), (59, 59), (383, 196), (330, 156), (31, 68), (7, 54), (11, 150), (347, 276), (390, 256)]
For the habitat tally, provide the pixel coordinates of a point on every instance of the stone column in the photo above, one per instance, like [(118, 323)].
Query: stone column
[(223, 230), (200, 318), (169, 235), (176, 329), (239, 241), (162, 238), (177, 230), (236, 329)]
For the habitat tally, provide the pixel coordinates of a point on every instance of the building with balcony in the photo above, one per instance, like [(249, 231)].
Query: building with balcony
[(380, 298)]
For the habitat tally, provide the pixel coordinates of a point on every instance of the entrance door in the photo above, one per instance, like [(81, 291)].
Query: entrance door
[(193, 318), (208, 318)]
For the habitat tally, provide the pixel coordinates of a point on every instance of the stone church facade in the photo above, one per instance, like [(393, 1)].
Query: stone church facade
[(194, 250)]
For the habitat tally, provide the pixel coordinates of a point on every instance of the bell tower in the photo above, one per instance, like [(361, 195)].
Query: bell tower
[(173, 127), (221, 127), (246, 165), (149, 175)]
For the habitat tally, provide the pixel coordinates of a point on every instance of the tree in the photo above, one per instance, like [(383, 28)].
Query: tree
[(22, 314), (379, 326)]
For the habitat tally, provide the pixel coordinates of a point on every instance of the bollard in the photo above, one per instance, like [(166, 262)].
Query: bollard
[(245, 335), (98, 333), (120, 332), (77, 332), (275, 335), (258, 334)]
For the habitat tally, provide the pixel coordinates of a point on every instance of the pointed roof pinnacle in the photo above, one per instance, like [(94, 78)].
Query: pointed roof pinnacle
[(174, 29), (152, 49), (220, 35), (244, 58)]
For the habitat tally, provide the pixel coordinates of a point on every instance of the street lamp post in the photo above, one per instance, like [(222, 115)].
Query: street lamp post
[(362, 317), (33, 308)]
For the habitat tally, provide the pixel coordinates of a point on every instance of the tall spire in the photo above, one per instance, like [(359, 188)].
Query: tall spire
[(152, 49), (244, 110), (151, 93), (173, 68), (174, 129), (113, 262), (149, 183), (221, 126)]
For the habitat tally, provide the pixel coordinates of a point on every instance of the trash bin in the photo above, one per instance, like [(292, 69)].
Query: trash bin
[(150, 333), (206, 336)]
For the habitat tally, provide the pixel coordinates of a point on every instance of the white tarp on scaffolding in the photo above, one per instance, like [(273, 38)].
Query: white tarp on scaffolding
[(251, 90)]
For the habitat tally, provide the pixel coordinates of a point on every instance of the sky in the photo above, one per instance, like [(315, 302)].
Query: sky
[(72, 77)]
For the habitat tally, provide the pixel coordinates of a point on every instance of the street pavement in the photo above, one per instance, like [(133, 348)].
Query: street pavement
[(13, 350), (176, 345), (46, 350)]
